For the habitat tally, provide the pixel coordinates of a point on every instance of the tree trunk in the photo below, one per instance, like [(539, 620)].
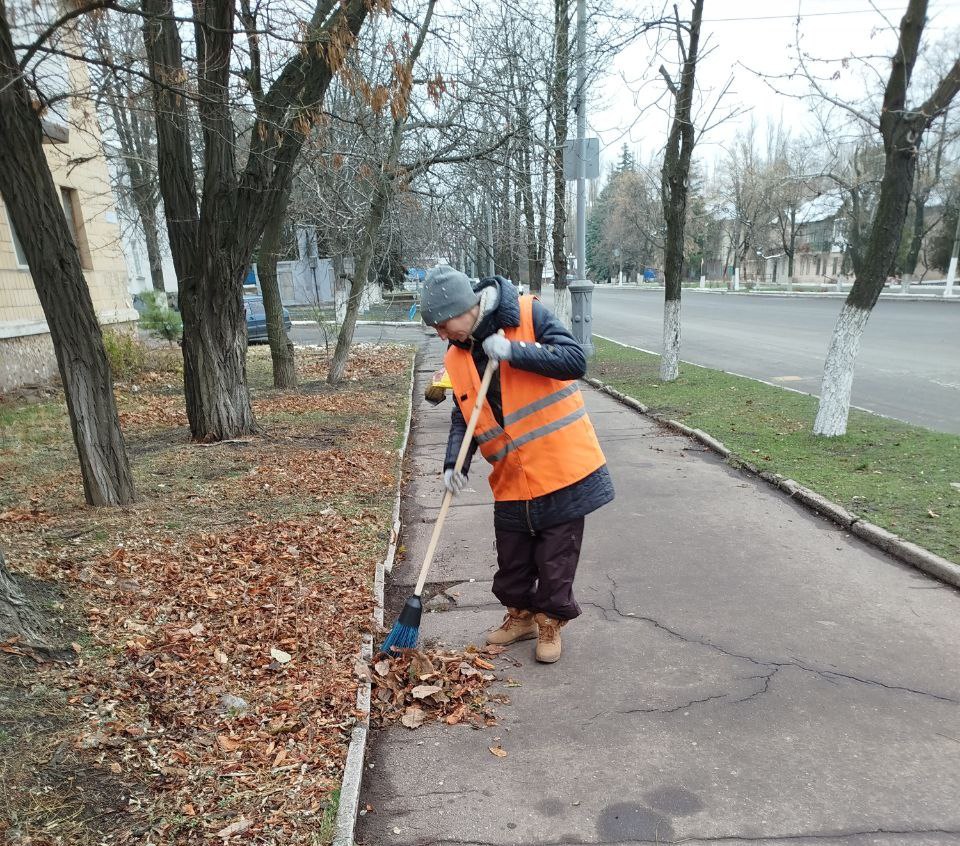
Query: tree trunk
[(19, 617), (675, 180), (215, 350), (378, 207), (281, 347), (916, 238), (34, 206), (793, 243), (561, 73), (151, 236), (902, 132), (212, 237)]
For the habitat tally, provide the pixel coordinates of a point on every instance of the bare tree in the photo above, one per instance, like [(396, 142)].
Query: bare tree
[(123, 99), (34, 205), (927, 178), (675, 180), (901, 128), (214, 230)]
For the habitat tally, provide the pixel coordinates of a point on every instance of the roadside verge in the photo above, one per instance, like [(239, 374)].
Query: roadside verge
[(895, 485)]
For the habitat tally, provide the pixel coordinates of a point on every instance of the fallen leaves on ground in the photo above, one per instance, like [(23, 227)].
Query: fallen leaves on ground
[(421, 686), (142, 410), (225, 610), (366, 360), (320, 473), (235, 684)]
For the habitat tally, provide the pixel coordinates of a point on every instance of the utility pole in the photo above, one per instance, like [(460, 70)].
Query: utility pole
[(491, 264), (581, 245), (952, 270)]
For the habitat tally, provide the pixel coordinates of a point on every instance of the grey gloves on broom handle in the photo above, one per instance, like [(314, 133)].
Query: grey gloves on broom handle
[(454, 481)]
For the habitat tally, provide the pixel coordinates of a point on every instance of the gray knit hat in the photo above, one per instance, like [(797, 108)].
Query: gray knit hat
[(446, 293)]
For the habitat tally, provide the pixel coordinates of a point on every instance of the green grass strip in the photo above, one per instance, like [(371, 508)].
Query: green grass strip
[(893, 474)]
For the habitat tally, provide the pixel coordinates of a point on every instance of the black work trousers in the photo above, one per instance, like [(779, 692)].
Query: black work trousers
[(536, 571)]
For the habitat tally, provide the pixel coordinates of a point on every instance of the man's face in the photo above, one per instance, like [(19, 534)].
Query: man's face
[(458, 328)]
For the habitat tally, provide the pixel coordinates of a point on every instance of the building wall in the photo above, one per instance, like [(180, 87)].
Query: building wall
[(79, 165)]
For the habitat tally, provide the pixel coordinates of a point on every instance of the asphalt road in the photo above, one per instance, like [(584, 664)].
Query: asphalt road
[(908, 368)]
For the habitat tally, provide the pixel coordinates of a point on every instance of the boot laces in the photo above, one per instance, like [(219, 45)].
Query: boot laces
[(550, 631), (511, 621)]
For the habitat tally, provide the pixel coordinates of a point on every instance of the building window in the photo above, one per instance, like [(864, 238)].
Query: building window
[(17, 246), (71, 210)]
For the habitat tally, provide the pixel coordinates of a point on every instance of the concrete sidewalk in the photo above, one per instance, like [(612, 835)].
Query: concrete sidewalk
[(743, 672)]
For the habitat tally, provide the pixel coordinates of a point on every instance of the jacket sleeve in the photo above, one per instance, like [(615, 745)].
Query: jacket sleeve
[(458, 428), (556, 353)]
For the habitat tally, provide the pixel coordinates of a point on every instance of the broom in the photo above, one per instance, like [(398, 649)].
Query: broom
[(406, 630)]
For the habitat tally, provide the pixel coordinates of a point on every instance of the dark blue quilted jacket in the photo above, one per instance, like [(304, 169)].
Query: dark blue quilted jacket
[(558, 356)]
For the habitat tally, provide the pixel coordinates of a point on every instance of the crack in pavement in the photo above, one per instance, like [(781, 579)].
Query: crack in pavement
[(828, 675)]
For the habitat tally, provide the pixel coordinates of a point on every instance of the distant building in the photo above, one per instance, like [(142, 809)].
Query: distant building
[(72, 147)]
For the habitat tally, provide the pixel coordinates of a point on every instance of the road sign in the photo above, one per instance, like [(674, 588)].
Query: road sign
[(592, 156)]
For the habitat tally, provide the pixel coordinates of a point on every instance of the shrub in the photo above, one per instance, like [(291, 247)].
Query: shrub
[(160, 320), (125, 353)]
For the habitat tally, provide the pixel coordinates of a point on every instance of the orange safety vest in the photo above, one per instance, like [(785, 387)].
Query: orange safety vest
[(547, 441)]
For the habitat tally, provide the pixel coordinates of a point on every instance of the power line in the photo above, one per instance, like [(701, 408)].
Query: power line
[(801, 15)]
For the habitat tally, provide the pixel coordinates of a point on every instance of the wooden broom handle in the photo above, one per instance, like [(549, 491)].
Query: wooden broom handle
[(461, 457)]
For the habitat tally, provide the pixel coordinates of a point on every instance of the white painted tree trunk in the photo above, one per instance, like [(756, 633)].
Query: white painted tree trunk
[(341, 297), (561, 305), (951, 275), (670, 360), (838, 372), (372, 295)]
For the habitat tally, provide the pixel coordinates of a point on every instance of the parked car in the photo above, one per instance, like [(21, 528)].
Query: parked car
[(257, 319)]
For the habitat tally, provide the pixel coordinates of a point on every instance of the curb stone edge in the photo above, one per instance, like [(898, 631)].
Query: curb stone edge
[(346, 820)]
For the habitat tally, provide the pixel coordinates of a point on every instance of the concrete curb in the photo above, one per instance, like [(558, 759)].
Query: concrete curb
[(346, 821), (904, 550), (836, 295)]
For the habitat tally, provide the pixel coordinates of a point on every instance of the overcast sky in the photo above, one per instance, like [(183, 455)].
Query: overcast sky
[(760, 35)]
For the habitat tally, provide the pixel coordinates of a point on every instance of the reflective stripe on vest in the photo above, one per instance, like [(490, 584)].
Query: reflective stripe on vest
[(546, 442)]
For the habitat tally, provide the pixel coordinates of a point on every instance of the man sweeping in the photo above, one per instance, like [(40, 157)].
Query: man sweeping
[(548, 469)]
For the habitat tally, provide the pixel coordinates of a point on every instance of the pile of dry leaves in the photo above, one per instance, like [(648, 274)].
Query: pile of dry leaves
[(427, 686)]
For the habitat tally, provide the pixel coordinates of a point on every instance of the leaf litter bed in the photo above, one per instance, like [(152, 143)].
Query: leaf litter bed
[(215, 686)]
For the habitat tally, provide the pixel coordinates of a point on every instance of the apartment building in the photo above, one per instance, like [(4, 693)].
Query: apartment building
[(73, 150)]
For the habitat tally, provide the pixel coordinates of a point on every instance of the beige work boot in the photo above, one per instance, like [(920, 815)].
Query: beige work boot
[(548, 639), (517, 625)]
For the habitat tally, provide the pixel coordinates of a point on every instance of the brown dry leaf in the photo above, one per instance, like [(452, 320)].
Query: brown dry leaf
[(483, 665), (189, 810), (456, 715), (227, 743), (421, 665), (499, 751), (413, 717), (382, 668), (422, 691), (237, 827)]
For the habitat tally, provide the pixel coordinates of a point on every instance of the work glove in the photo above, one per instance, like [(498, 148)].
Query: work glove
[(497, 348), (454, 481)]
